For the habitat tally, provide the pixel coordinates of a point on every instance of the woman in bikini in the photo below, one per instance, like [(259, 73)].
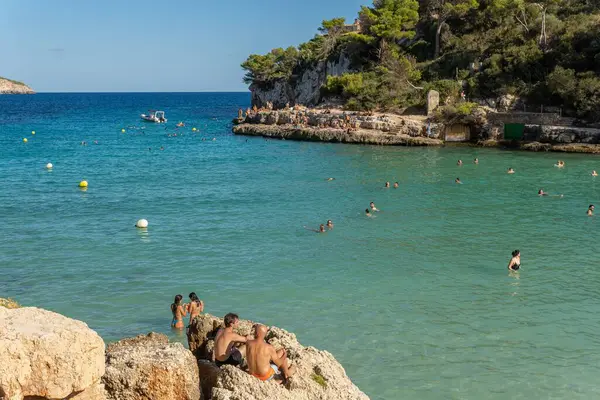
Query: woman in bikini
[(195, 307), (515, 262), (178, 313)]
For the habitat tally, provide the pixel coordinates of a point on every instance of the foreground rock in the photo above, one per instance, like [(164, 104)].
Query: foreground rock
[(8, 86), (8, 303), (318, 374), (149, 367), (361, 136), (48, 356)]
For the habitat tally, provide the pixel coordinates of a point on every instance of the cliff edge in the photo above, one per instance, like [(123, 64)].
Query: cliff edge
[(8, 86)]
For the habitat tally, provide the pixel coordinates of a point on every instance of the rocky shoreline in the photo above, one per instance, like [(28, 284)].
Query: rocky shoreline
[(47, 356), (337, 126), (8, 86)]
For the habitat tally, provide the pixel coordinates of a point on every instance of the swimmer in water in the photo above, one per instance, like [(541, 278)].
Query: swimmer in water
[(594, 173), (178, 313), (368, 213), (510, 171), (162, 148), (395, 185), (515, 262), (372, 205), (195, 306), (476, 161), (330, 179), (387, 184), (560, 164), (329, 224), (459, 162), (457, 180), (590, 210), (542, 193), (320, 230)]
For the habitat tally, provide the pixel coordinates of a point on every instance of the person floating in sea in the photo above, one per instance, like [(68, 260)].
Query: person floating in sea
[(372, 205), (396, 185), (195, 307), (590, 210), (387, 184), (329, 224), (225, 350), (510, 171), (457, 180), (181, 124), (559, 164), (368, 213), (330, 179), (459, 162), (178, 313), (542, 193), (476, 161), (264, 362), (320, 230), (515, 262), (594, 173)]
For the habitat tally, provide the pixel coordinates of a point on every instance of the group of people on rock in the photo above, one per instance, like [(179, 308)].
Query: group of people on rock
[(259, 357), (251, 352)]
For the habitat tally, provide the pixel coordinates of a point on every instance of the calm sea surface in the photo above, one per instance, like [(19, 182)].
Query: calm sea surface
[(416, 303)]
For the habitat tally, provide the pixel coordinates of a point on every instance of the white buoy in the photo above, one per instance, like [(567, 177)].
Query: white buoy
[(142, 223), (49, 165)]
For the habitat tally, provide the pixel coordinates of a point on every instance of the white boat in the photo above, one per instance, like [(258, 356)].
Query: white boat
[(154, 116)]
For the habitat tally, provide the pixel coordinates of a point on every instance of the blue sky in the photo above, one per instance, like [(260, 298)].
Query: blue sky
[(132, 45)]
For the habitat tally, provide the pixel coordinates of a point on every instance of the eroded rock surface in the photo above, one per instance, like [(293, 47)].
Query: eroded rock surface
[(47, 355), (149, 367)]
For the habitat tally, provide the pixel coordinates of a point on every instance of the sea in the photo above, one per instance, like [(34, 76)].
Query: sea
[(415, 302)]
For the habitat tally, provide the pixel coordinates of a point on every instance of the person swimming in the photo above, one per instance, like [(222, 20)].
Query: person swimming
[(330, 179), (459, 162), (590, 210), (372, 205), (329, 224), (510, 171), (195, 306), (178, 313), (594, 173), (387, 184), (515, 262), (476, 161), (559, 164), (396, 185), (457, 180), (542, 193), (320, 230), (368, 213)]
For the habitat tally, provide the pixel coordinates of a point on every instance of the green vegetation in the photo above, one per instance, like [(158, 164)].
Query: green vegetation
[(8, 303), (546, 52), (319, 379), (11, 81)]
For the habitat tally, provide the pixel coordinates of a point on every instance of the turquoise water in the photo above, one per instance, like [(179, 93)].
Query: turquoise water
[(416, 303)]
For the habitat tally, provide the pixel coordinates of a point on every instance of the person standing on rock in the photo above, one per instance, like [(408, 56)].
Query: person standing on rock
[(225, 350), (195, 307), (264, 362)]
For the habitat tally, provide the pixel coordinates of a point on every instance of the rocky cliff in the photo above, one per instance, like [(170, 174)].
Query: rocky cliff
[(8, 86), (305, 90)]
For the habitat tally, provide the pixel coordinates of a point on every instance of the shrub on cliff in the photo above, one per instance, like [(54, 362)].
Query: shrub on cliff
[(9, 303)]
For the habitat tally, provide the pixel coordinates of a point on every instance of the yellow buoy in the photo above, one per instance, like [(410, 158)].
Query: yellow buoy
[(33, 132), (194, 129), (24, 140), (49, 166), (123, 130), (83, 184)]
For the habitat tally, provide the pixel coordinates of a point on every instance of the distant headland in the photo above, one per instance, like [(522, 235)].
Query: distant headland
[(8, 86)]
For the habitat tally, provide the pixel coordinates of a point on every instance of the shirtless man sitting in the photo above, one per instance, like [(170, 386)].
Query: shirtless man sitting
[(225, 350), (263, 361)]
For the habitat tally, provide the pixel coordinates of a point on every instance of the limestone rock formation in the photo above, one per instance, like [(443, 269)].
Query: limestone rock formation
[(49, 356), (318, 375), (8, 86), (306, 90), (149, 367)]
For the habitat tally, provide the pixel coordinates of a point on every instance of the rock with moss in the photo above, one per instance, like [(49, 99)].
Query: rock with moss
[(8, 303), (9, 86)]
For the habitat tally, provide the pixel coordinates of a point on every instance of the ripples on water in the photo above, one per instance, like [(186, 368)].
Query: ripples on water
[(415, 303)]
